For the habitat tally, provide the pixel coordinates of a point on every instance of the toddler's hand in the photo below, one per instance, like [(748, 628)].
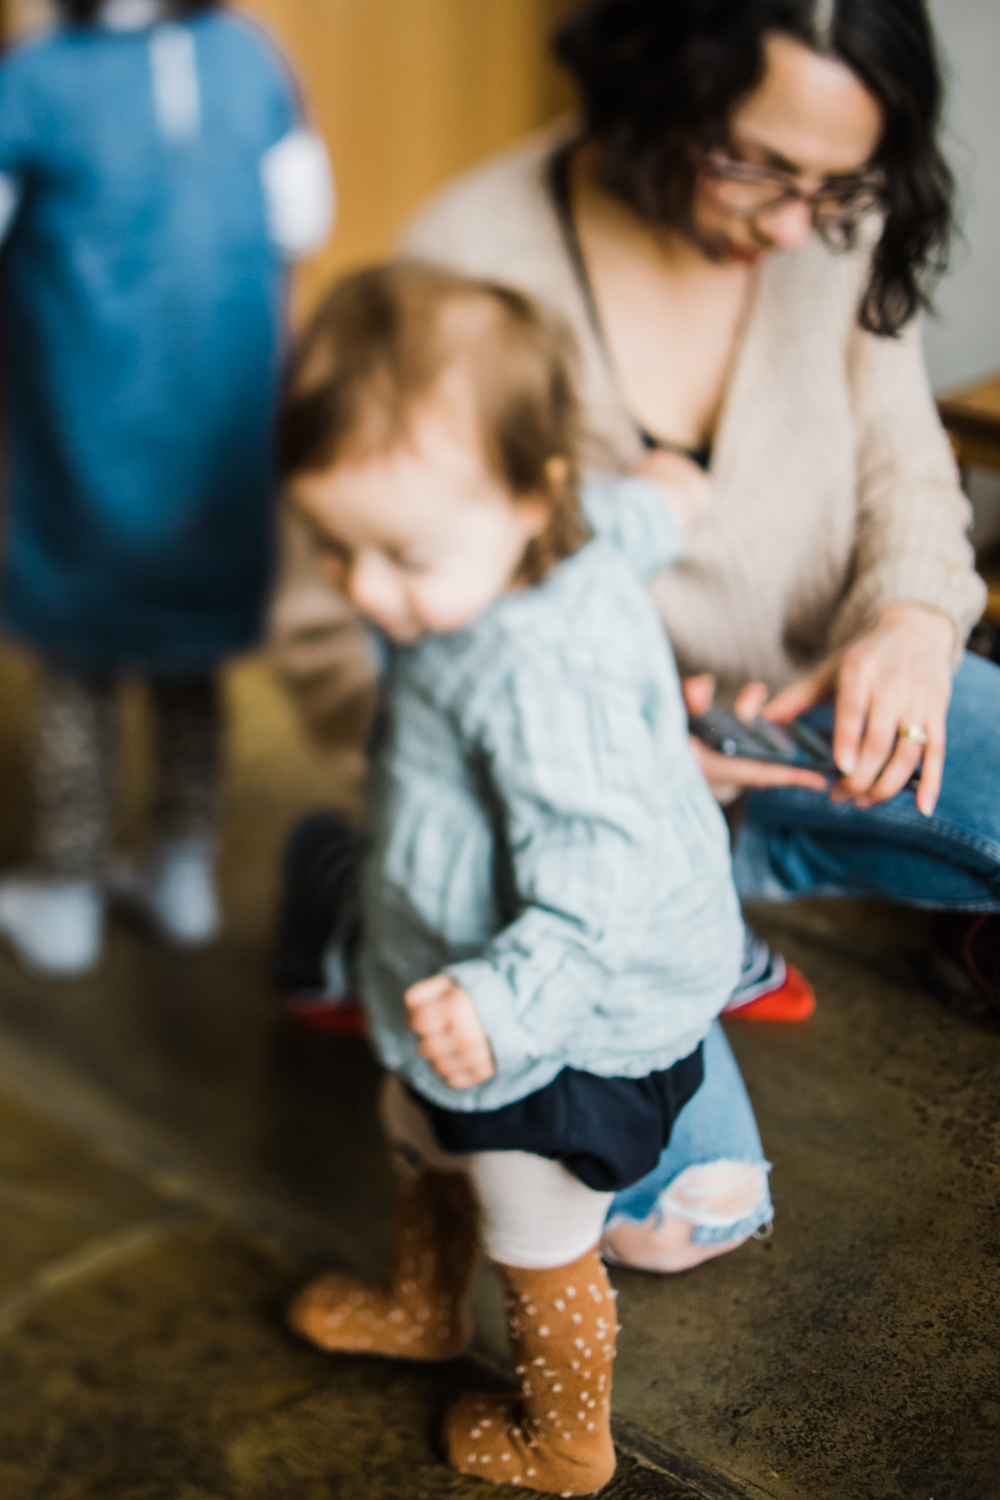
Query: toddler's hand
[(449, 1031), (686, 487)]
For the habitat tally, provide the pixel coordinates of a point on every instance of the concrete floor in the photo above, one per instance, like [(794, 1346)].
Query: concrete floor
[(171, 1164)]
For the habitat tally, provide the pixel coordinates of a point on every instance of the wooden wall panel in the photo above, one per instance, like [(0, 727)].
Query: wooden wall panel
[(407, 93)]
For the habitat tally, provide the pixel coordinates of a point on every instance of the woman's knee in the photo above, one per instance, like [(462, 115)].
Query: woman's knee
[(703, 1212)]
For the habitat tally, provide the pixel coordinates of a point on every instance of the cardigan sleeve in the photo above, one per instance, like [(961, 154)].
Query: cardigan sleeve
[(636, 517), (910, 543)]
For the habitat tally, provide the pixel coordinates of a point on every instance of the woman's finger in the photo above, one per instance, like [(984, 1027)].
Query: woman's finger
[(802, 696), (725, 770), (750, 700), (698, 693), (880, 741), (853, 705), (896, 773), (930, 777)]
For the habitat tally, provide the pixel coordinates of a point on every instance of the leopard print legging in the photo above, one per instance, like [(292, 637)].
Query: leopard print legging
[(75, 762)]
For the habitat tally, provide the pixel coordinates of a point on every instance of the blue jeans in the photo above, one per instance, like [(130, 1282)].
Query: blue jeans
[(716, 1125), (799, 843)]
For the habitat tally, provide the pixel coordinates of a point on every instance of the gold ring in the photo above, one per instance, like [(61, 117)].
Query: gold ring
[(913, 732)]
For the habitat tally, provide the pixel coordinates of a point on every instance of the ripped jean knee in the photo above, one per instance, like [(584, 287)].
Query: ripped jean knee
[(704, 1211)]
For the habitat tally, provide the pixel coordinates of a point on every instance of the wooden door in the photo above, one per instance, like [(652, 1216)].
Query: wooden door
[(409, 92), (406, 92)]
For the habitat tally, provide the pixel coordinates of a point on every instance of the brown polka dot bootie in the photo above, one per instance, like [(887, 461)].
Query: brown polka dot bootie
[(423, 1312), (557, 1437)]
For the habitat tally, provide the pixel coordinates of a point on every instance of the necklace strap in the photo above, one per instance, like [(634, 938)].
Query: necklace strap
[(562, 201)]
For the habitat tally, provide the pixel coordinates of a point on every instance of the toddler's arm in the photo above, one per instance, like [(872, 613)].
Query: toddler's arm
[(637, 517), (573, 765)]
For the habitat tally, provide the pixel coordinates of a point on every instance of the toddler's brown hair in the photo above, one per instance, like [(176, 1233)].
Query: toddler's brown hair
[(385, 335)]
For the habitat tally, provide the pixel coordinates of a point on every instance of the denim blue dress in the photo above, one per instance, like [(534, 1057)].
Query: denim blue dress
[(141, 303)]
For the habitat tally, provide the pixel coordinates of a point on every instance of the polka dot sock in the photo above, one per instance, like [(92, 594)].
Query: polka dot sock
[(423, 1312), (557, 1437)]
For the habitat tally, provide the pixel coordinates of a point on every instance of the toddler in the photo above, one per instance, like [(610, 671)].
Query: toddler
[(155, 178), (548, 923)]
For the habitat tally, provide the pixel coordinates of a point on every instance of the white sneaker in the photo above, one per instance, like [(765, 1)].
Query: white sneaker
[(175, 891), (55, 927)]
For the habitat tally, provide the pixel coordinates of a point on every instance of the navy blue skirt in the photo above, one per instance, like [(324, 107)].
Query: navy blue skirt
[(609, 1132)]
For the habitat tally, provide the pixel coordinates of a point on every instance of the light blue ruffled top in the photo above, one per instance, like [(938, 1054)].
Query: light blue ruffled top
[(541, 832)]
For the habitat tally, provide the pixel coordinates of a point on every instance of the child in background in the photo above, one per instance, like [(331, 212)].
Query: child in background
[(155, 179), (548, 922)]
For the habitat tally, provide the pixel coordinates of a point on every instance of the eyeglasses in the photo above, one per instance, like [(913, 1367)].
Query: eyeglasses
[(750, 190)]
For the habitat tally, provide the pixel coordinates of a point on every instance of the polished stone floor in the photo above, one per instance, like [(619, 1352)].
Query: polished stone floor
[(172, 1163)]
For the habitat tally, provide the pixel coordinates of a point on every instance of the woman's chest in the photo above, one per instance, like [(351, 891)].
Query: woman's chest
[(673, 342)]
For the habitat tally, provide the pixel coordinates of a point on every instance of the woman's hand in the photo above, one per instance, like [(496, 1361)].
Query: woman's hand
[(728, 776), (450, 1033), (686, 487), (897, 675)]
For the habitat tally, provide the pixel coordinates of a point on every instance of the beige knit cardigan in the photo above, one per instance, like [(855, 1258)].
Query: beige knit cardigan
[(834, 491)]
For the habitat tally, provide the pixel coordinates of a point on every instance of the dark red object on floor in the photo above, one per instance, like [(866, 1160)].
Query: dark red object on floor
[(979, 952), (965, 957), (345, 1018)]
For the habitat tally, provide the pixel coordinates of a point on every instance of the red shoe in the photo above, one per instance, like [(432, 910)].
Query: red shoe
[(793, 1000)]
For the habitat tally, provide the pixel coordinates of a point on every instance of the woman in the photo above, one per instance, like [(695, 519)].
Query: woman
[(740, 230)]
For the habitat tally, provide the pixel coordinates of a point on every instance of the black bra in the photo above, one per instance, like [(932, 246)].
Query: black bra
[(558, 175)]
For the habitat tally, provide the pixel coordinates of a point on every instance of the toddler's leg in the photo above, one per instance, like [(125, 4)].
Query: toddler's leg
[(422, 1311), (540, 1226), (55, 921), (177, 888)]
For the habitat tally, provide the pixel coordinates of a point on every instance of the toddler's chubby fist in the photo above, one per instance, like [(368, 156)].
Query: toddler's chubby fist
[(449, 1032)]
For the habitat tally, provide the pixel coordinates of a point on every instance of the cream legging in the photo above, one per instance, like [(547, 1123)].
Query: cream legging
[(535, 1213)]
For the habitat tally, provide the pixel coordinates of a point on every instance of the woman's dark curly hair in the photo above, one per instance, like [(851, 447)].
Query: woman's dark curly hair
[(659, 77), (83, 12)]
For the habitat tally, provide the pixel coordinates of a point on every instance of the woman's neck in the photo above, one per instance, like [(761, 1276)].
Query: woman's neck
[(671, 316), (612, 219)]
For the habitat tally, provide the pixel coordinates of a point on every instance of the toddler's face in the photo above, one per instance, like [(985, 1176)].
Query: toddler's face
[(422, 538)]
